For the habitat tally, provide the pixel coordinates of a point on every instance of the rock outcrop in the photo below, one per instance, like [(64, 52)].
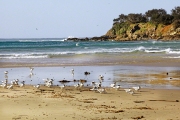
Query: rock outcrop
[(144, 31)]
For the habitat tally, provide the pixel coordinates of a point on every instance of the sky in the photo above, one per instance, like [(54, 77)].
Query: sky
[(63, 18)]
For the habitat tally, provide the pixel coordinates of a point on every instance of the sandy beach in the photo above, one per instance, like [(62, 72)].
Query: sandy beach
[(150, 103), (29, 103)]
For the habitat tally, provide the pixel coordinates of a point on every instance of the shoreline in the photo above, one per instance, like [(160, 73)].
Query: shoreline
[(107, 61)]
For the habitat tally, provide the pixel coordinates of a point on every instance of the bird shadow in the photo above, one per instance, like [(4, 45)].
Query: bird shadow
[(143, 91)]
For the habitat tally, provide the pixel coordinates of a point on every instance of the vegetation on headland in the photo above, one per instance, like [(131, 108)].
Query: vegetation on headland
[(154, 24)]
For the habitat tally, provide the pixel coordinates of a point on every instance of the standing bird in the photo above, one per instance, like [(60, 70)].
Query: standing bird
[(137, 88), (22, 84), (37, 86), (72, 72), (128, 90), (31, 69), (102, 90), (62, 87), (10, 87), (113, 84), (5, 72), (101, 77), (117, 87)]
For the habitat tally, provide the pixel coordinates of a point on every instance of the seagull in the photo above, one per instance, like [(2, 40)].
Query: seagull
[(62, 87), (128, 90), (131, 92), (102, 90), (94, 88), (72, 72), (10, 87), (37, 86), (117, 87), (3, 85), (137, 88), (22, 84), (113, 85), (6, 72), (31, 69), (101, 77), (81, 85), (77, 86)]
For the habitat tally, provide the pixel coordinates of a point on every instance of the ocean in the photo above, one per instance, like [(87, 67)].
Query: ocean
[(97, 57), (50, 48)]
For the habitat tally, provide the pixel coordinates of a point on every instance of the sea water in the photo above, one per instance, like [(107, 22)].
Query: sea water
[(57, 47)]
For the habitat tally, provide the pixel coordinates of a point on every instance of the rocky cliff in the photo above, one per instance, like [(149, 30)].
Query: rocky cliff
[(144, 31)]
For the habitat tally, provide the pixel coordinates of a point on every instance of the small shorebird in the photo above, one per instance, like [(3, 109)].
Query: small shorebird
[(22, 84), (113, 85), (117, 87), (101, 77), (137, 88), (6, 72), (10, 87), (77, 86), (31, 69), (37, 86), (102, 90), (72, 72), (62, 87), (128, 90), (131, 92)]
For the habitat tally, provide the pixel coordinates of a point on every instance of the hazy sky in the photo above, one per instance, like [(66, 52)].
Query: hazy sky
[(63, 18)]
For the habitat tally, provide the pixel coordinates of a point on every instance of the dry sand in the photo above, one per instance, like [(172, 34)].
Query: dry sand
[(71, 104)]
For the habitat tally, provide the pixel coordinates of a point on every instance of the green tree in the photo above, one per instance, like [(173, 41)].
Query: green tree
[(155, 15), (176, 13)]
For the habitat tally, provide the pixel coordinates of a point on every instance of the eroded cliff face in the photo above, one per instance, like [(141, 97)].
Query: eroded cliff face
[(144, 31)]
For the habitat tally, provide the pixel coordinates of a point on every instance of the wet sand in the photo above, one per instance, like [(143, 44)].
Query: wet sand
[(150, 103)]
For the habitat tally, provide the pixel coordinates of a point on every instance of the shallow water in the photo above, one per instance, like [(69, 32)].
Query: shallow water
[(126, 76)]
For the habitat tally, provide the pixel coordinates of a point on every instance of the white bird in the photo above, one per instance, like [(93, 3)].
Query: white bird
[(48, 82), (81, 85), (3, 85), (16, 81), (72, 72), (10, 87), (117, 87), (131, 92), (128, 90), (37, 86), (77, 86), (22, 84), (113, 85), (31, 69), (6, 72), (101, 77), (94, 88), (94, 84), (77, 44), (137, 88), (62, 87), (102, 90)]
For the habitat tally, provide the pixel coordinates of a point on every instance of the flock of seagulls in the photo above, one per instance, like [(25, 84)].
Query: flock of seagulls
[(14, 82), (96, 86), (129, 90)]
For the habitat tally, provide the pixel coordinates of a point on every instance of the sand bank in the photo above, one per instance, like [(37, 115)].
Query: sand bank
[(71, 104)]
